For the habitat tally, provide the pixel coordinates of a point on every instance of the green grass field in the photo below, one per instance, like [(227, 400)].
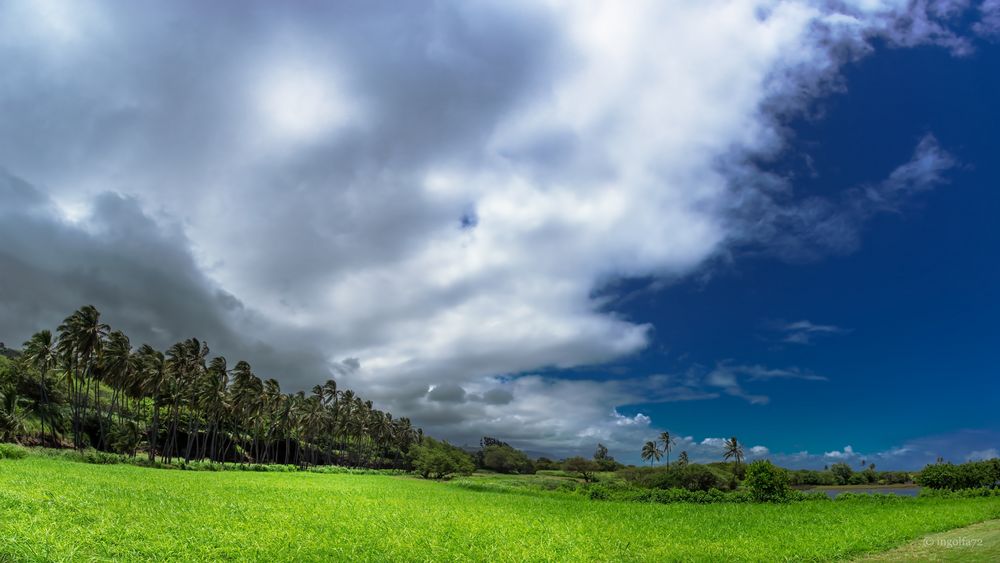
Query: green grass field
[(52, 509)]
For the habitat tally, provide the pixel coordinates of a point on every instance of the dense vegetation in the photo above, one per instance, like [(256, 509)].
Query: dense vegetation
[(971, 475), (87, 386), (54, 510)]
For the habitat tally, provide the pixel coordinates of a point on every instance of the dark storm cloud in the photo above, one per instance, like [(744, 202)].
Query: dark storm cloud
[(289, 182), (447, 393), (136, 271)]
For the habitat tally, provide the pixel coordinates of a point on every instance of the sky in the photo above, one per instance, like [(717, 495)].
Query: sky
[(556, 223)]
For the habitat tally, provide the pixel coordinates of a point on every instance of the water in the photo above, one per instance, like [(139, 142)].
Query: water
[(902, 491)]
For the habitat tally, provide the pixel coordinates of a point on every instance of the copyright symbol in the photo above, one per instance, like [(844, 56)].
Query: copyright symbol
[(928, 542)]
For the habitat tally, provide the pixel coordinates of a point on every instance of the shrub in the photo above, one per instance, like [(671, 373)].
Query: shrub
[(962, 493), (583, 467), (766, 482), (626, 493), (693, 477), (971, 475), (439, 460), (12, 451), (810, 477), (505, 459), (842, 472), (857, 479), (544, 464)]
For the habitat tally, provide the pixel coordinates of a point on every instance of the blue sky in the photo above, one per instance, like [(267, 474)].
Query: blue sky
[(557, 223), (907, 337)]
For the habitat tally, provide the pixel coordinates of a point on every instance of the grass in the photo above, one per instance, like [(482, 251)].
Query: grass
[(53, 509), (979, 542)]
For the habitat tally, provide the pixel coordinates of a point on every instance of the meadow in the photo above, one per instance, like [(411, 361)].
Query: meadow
[(52, 509)]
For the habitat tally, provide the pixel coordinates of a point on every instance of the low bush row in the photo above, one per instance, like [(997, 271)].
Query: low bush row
[(971, 475), (960, 493), (13, 451)]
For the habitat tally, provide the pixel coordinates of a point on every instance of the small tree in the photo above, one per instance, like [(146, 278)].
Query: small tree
[(505, 459), (440, 460), (842, 472), (682, 459), (601, 453), (544, 463), (650, 452), (766, 482), (584, 467)]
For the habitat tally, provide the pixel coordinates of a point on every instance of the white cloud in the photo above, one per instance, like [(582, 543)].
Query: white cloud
[(804, 331), (989, 19), (325, 186), (638, 420), (846, 453), (977, 455)]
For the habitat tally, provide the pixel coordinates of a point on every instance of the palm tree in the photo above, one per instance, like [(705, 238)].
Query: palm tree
[(668, 441), (81, 339), (153, 366), (682, 459), (116, 366), (650, 452), (40, 352), (733, 449), (178, 402)]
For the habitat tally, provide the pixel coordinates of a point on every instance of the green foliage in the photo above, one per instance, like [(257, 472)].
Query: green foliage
[(811, 477), (842, 473), (585, 468), (545, 464), (12, 451), (828, 478), (766, 482), (601, 452), (85, 383), (961, 493), (51, 510), (435, 459), (693, 477), (605, 462), (627, 493), (505, 459), (971, 475)]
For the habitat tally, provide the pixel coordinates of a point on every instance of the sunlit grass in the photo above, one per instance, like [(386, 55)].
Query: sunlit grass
[(54, 509)]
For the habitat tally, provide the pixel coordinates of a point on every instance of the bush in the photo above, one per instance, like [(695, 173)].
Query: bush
[(857, 479), (505, 459), (962, 493), (811, 477), (766, 482), (12, 451), (583, 467), (545, 464), (440, 460), (971, 475), (842, 472), (627, 493), (693, 477)]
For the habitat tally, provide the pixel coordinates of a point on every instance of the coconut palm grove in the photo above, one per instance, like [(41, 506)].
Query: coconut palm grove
[(86, 385), (534, 280)]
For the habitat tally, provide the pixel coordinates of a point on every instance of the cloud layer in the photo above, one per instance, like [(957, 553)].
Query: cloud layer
[(424, 199)]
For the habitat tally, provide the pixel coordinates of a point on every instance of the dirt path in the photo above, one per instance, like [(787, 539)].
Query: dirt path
[(979, 542)]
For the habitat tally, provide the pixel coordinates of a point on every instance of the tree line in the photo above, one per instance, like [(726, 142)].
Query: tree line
[(86, 385), (653, 450)]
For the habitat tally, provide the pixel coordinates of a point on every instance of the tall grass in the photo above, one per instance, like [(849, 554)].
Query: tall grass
[(54, 510)]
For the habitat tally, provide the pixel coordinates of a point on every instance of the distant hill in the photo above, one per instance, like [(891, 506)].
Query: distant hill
[(7, 352)]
